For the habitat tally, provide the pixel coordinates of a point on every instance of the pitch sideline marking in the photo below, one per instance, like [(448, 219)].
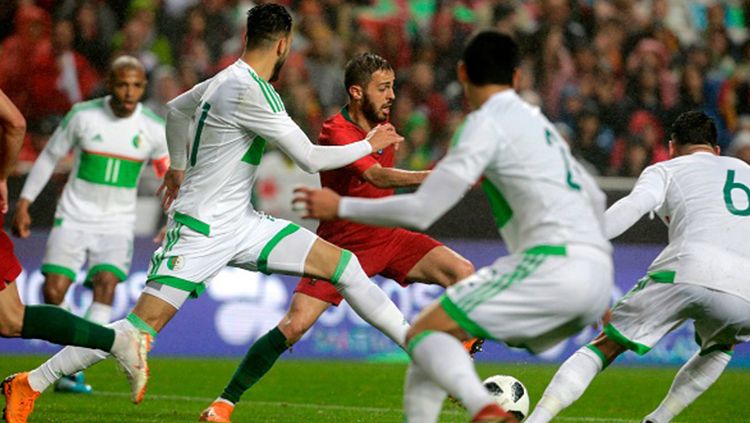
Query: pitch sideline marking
[(334, 407)]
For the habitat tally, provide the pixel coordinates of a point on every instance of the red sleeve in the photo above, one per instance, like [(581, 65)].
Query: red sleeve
[(342, 135)]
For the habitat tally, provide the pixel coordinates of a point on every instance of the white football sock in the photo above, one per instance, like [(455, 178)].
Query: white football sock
[(74, 359), (445, 361), (694, 378), (423, 398), (370, 302), (99, 313), (568, 384)]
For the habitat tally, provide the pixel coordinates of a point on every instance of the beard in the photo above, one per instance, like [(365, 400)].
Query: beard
[(277, 69), (371, 112)]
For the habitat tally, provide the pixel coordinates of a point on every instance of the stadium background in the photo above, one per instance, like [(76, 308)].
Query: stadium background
[(611, 74)]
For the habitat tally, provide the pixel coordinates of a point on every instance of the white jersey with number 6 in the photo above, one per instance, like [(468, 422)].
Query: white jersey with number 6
[(705, 201)]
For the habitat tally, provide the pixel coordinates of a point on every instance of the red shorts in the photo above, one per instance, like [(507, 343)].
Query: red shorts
[(10, 268), (392, 257)]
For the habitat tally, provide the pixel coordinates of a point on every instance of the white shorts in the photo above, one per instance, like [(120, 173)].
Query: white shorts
[(536, 299), (189, 259), (653, 309), (68, 249)]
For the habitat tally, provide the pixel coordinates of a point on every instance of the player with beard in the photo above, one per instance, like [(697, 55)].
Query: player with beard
[(226, 121), (398, 254)]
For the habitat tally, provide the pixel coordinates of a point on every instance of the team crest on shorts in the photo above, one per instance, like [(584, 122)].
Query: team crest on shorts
[(175, 262)]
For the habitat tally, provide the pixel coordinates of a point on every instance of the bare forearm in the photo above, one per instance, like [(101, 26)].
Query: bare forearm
[(386, 177), (13, 127)]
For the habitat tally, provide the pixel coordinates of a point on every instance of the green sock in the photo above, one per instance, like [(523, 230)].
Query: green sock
[(256, 363), (54, 324)]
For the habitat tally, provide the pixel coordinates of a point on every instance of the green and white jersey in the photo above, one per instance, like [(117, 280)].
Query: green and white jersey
[(705, 201), (227, 120), (538, 193), (108, 156)]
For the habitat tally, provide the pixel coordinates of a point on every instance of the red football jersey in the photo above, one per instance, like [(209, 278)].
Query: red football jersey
[(348, 181)]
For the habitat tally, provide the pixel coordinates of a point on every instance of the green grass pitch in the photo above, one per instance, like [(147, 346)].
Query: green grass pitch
[(335, 391)]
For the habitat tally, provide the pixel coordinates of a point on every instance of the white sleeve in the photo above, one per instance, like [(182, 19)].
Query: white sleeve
[(58, 146), (439, 192), (648, 194), (257, 115), (180, 115)]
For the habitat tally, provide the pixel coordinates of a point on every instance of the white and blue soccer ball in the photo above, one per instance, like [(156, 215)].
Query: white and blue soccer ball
[(510, 394)]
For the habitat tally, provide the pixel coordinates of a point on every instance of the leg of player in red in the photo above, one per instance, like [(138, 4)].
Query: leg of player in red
[(399, 254), (45, 322)]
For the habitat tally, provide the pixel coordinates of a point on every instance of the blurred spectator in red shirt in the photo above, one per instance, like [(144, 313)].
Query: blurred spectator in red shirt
[(645, 138), (60, 76)]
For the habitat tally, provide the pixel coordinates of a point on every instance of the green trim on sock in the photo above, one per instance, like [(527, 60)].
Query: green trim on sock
[(346, 256), (257, 362), (615, 335), (599, 353), (463, 319), (417, 340), (141, 325), (53, 324), (266, 251), (59, 270)]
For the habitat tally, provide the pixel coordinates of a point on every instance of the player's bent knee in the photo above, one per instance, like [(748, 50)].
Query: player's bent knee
[(608, 347), (11, 323), (54, 292)]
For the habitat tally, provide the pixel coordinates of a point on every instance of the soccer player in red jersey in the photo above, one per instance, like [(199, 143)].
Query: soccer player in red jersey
[(46, 322), (396, 253)]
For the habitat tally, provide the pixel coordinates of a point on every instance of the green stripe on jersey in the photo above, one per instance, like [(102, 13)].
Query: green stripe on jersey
[(193, 223), (498, 204), (272, 97), (106, 170), (86, 105), (152, 115), (255, 152)]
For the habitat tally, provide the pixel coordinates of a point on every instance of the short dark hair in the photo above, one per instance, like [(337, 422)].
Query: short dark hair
[(265, 23), (694, 127), (491, 57), (360, 68)]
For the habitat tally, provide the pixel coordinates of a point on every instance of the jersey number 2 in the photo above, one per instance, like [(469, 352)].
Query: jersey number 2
[(568, 171), (731, 185)]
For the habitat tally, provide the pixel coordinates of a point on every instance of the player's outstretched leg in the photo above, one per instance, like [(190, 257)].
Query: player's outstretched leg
[(341, 267), (574, 376), (303, 312), (434, 344), (693, 379)]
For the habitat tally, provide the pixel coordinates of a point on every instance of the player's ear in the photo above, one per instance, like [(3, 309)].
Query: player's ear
[(517, 78), (355, 92), (672, 149), (463, 75)]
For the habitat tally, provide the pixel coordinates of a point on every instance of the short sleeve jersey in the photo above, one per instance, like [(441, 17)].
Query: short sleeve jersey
[(235, 114), (340, 129), (538, 193), (108, 156), (705, 201)]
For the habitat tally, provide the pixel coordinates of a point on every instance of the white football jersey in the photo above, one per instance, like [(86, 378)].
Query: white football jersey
[(705, 201), (235, 113), (539, 194), (108, 156)]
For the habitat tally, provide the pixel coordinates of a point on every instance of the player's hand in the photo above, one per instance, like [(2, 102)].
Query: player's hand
[(382, 136), (170, 187), (322, 204), (20, 225), (3, 196), (158, 238)]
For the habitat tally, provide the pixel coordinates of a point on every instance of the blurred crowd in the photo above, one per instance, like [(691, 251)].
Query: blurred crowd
[(611, 74)]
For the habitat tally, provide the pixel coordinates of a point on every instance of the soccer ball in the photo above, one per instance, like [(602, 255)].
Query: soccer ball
[(510, 394)]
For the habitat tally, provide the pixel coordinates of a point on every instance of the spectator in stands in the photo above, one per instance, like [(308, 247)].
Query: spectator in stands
[(587, 145), (740, 146), (644, 145)]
